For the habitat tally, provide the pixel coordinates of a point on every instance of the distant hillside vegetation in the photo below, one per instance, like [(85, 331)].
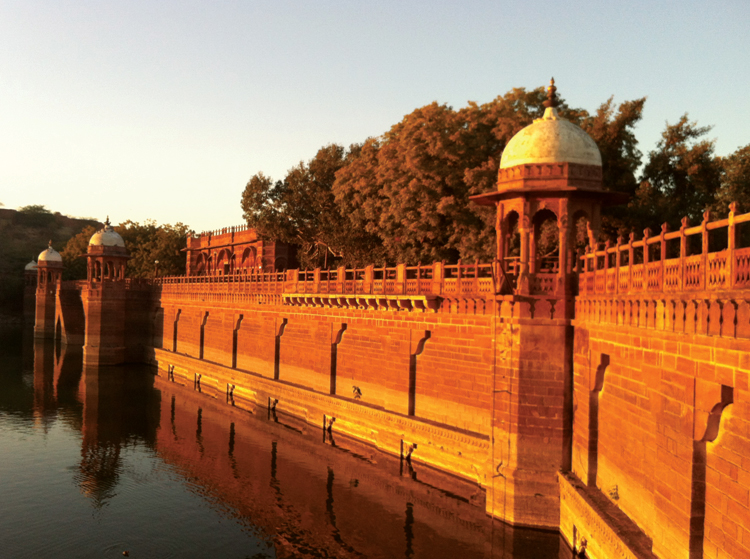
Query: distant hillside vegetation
[(24, 233)]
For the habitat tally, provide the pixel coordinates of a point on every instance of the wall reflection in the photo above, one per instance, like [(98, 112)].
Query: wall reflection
[(312, 494)]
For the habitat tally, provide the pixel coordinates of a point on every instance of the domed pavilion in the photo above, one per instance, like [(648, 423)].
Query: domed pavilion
[(550, 175), (106, 255)]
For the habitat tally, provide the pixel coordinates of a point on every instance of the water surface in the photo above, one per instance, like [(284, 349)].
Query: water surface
[(95, 462)]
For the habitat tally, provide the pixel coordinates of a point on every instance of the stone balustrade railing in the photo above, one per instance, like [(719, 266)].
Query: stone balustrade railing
[(445, 280), (700, 258)]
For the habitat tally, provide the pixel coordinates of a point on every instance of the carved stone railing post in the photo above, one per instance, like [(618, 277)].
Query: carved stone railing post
[(663, 247), (606, 264), (316, 281), (704, 244), (437, 278), (631, 261), (293, 279), (618, 263), (400, 279), (683, 252), (731, 245), (458, 277), (594, 264), (341, 279), (369, 276)]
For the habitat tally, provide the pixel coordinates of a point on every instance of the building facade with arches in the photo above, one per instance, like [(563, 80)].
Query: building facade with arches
[(236, 251)]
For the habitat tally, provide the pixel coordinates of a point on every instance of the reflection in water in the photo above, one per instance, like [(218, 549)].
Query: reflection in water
[(268, 479), (119, 407)]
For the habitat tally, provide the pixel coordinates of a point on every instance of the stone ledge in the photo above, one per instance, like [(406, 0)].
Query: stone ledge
[(586, 513), (457, 451)]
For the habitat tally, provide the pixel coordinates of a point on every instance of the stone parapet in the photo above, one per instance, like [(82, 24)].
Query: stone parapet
[(703, 258)]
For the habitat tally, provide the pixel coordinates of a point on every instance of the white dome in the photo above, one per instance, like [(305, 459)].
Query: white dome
[(31, 266), (49, 255), (551, 139), (107, 237)]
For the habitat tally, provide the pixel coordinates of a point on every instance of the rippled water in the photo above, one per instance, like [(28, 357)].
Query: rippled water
[(94, 463)]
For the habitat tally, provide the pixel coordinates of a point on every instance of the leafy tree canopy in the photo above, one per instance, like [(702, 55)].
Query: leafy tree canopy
[(302, 210), (35, 216), (735, 182), (681, 178), (404, 196), (146, 243), (411, 187), (34, 209)]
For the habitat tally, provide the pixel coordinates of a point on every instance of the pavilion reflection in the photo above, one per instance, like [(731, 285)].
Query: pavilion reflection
[(111, 406)]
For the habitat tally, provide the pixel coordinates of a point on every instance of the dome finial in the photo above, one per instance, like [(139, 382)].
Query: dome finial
[(551, 95), (50, 243)]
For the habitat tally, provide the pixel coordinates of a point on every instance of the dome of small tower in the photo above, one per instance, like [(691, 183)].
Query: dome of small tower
[(551, 139), (49, 255), (107, 237), (31, 266)]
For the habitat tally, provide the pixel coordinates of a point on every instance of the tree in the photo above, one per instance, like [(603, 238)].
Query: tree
[(73, 254), (149, 242), (35, 216), (145, 243), (681, 178), (614, 134), (735, 182), (302, 210), (411, 187), (34, 209), (406, 194)]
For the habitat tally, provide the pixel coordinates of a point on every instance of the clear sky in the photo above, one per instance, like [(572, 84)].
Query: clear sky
[(163, 110)]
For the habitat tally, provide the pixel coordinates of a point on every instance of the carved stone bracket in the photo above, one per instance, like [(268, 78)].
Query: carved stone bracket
[(421, 303)]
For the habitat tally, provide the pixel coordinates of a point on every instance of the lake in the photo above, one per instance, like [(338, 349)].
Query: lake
[(102, 462)]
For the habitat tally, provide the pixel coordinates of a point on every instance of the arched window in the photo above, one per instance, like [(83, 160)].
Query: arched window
[(511, 243), (201, 264), (248, 258), (546, 240)]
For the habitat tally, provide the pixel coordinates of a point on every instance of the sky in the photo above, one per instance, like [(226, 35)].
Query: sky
[(164, 110)]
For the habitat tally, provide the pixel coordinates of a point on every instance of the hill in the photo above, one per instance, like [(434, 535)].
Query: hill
[(24, 233)]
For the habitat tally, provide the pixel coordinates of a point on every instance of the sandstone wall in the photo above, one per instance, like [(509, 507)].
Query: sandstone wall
[(479, 386), (661, 409)]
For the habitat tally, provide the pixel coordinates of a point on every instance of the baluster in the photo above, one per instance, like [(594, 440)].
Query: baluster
[(594, 266)]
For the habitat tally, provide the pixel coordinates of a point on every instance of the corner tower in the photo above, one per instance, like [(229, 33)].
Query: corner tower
[(104, 298), (49, 274), (550, 175), (30, 273)]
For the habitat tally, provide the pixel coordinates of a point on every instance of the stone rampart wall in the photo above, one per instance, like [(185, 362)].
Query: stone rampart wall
[(432, 366), (661, 416), (492, 371)]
